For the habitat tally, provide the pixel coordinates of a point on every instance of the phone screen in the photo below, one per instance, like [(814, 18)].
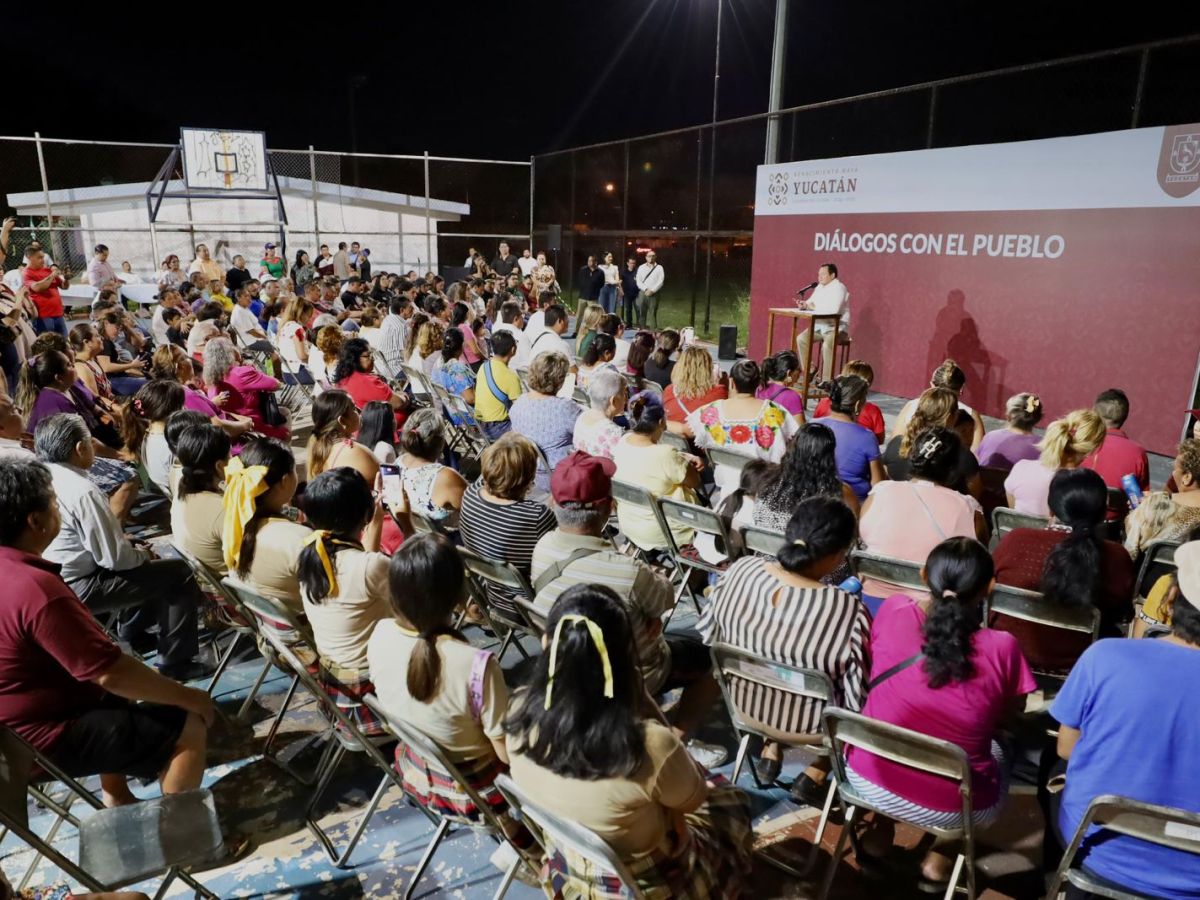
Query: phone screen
[(391, 479)]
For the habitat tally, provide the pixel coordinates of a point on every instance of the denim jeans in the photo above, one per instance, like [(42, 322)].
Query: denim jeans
[(496, 430), (608, 298), (52, 323)]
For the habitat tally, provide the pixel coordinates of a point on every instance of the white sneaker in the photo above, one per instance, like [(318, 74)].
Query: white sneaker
[(710, 756)]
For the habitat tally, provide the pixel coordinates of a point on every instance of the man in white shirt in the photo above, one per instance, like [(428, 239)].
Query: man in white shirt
[(513, 321), (169, 299), (102, 566), (650, 277), (549, 339), (250, 331), (100, 273), (526, 263), (829, 299), (206, 265), (394, 332)]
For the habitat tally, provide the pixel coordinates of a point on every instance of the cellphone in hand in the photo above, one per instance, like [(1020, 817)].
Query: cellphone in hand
[(391, 478)]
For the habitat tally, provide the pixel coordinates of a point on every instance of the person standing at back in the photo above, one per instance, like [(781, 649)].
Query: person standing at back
[(43, 283), (341, 263), (649, 282), (1119, 455)]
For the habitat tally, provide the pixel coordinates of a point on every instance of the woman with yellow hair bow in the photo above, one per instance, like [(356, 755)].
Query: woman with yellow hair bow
[(344, 585), (261, 545), (582, 748)]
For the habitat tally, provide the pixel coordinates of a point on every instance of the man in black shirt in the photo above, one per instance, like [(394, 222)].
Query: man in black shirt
[(237, 276), (350, 296), (591, 279), (505, 263), (364, 265)]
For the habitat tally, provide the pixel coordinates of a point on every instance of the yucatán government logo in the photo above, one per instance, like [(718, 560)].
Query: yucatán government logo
[(777, 188), (1179, 160)]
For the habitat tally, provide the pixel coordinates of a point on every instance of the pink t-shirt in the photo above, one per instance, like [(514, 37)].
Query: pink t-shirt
[(784, 396), (470, 343), (1029, 485), (907, 519), (966, 713), (245, 384)]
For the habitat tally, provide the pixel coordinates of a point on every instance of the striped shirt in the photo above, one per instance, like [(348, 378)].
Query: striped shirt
[(506, 532), (393, 337), (823, 629), (646, 594)]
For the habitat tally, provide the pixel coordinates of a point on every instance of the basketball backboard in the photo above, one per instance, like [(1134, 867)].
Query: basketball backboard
[(215, 160)]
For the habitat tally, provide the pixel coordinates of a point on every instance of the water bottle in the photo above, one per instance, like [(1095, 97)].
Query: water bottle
[(851, 585), (1133, 490)]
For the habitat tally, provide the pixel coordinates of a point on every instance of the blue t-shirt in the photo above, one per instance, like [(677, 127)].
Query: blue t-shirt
[(856, 447), (1135, 704)]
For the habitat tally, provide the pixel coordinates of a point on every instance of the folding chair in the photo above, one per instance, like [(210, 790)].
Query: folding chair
[(554, 832), (702, 521), (1158, 559), (652, 386), (1005, 520), (419, 385), (422, 524), (727, 467), (305, 389), (272, 622), (429, 750), (239, 619), (346, 735), (678, 441), (386, 369), (902, 573), (738, 670), (171, 834), (581, 397), (523, 617), (523, 379), (467, 424), (637, 496), (762, 541), (912, 750), (1031, 606), (1166, 826)]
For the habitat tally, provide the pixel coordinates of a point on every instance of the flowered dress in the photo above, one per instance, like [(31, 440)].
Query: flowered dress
[(764, 437), (455, 376)]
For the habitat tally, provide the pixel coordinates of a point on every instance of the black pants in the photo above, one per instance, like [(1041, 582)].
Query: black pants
[(162, 591), (627, 307)]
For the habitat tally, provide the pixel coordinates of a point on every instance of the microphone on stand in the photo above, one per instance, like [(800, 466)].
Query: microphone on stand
[(807, 287)]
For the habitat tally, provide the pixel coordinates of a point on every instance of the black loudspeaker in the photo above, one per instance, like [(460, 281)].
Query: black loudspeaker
[(727, 342), (553, 238)]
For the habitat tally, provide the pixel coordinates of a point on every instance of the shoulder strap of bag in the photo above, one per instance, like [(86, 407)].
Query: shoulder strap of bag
[(478, 668), (504, 399), (555, 571), (894, 670)]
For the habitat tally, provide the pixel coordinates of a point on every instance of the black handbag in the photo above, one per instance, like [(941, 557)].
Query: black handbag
[(271, 413)]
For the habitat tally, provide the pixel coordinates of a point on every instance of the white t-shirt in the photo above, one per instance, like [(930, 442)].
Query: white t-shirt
[(158, 459), (831, 299), (535, 323), (548, 341), (526, 265), (244, 322), (287, 344), (158, 327)]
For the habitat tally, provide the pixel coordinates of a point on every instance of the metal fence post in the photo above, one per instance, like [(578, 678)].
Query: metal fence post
[(37, 138), (312, 172), (531, 183), (428, 236)]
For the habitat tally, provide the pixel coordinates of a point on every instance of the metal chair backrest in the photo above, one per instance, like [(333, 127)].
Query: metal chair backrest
[(1118, 502), (1166, 826), (385, 368), (16, 766), (734, 665), (1005, 520), (505, 575), (652, 386), (900, 572), (698, 518), (1031, 606), (271, 611), (1158, 559), (418, 381), (581, 397), (634, 495), (671, 439), (563, 834), (762, 540), (895, 744), (720, 456)]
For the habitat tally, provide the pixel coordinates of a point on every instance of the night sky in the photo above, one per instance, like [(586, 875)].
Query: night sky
[(509, 79)]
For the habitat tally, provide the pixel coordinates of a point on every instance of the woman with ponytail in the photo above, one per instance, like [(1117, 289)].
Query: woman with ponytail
[(660, 366), (1064, 446), (336, 420), (857, 450), (588, 745), (782, 612), (428, 676), (934, 670), (948, 375), (344, 585), (262, 545), (143, 428), (198, 512), (780, 374), (1071, 566)]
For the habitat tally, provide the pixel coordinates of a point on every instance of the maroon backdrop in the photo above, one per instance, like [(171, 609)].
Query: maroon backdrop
[(1119, 308)]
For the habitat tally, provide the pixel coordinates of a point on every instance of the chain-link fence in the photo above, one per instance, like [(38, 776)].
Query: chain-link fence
[(411, 212), (689, 194)]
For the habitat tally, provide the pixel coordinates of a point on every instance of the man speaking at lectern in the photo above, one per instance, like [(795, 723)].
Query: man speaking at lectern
[(829, 299)]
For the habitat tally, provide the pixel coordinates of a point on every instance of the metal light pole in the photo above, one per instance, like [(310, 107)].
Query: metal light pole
[(775, 102), (712, 171)]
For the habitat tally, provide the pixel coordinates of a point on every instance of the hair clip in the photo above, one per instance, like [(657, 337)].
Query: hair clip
[(949, 594), (930, 448), (799, 543), (1032, 403)]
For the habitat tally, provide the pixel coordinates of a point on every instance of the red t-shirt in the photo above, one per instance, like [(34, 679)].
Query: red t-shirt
[(49, 301), (50, 649), (678, 412), (1020, 559), (363, 387), (870, 417), (1119, 456)]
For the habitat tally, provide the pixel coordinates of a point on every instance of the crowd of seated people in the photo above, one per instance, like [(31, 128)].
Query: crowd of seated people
[(191, 407)]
